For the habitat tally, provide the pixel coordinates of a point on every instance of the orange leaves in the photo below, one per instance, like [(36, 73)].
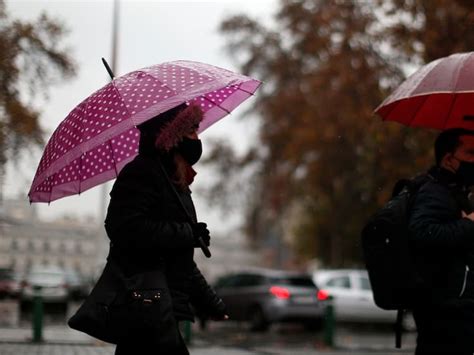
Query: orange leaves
[(31, 59), (326, 66)]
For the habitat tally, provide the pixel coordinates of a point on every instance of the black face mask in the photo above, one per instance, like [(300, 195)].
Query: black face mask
[(190, 149), (465, 172)]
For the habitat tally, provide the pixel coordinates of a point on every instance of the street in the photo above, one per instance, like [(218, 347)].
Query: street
[(230, 338)]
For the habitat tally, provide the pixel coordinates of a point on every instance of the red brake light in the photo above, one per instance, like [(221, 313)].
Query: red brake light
[(322, 295), (280, 292)]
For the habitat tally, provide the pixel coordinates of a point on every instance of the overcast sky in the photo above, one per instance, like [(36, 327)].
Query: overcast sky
[(150, 32)]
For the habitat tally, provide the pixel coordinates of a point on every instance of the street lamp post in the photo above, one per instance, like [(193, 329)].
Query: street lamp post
[(106, 186)]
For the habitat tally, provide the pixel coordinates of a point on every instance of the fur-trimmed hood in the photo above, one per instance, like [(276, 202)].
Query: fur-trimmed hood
[(166, 131), (185, 122)]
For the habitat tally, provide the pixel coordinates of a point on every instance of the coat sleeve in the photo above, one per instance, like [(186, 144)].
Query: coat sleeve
[(129, 223), (203, 297), (435, 221)]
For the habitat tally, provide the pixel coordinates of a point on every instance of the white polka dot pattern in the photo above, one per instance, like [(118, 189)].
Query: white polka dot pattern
[(99, 137)]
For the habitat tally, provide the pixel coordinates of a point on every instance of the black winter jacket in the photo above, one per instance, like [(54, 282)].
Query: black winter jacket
[(148, 230), (443, 241)]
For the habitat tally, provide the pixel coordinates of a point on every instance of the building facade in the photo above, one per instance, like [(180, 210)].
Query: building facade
[(26, 241)]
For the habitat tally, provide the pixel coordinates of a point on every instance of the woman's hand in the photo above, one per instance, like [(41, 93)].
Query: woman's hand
[(200, 231)]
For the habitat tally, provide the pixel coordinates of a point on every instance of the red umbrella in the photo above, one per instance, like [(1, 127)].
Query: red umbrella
[(439, 95)]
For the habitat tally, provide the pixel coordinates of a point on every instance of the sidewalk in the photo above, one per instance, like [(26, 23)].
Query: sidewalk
[(60, 340), (57, 349)]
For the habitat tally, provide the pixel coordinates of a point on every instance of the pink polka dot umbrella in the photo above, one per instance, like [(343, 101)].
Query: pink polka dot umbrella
[(99, 136)]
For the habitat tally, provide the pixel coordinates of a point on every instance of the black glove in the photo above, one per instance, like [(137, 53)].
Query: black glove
[(200, 231), (219, 311)]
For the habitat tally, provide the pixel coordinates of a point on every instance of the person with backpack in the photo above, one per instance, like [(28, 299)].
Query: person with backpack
[(441, 238)]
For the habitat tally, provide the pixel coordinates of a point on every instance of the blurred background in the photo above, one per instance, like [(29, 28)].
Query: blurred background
[(286, 181)]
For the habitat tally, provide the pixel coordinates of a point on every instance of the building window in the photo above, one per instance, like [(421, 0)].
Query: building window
[(14, 245)]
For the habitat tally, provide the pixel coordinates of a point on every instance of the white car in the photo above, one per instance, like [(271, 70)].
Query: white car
[(353, 298), (52, 281)]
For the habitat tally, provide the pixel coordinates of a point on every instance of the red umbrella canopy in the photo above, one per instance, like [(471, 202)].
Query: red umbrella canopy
[(439, 95)]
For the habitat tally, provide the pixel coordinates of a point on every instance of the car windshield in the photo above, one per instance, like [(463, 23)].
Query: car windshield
[(293, 281), (49, 277)]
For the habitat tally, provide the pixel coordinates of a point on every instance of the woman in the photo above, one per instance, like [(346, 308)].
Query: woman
[(149, 231)]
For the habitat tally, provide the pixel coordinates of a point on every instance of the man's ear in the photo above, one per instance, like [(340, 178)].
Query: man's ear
[(449, 162)]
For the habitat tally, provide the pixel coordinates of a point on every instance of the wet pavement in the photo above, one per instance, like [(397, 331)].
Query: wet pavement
[(228, 338), (223, 338)]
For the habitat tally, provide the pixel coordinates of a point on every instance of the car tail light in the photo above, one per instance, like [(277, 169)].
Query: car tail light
[(280, 292), (322, 295)]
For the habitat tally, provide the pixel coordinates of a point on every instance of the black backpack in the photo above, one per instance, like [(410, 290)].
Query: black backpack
[(387, 253)]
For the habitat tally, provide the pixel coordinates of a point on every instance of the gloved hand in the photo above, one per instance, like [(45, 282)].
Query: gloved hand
[(220, 311), (200, 231)]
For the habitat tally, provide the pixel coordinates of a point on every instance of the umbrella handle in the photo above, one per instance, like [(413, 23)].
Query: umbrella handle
[(107, 67), (203, 245)]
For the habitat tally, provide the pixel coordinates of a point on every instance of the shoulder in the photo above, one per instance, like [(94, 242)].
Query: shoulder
[(434, 194), (141, 170), (140, 165), (434, 187)]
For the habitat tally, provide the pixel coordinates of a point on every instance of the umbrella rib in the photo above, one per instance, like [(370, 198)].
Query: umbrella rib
[(222, 108), (80, 170), (217, 105), (425, 98), (113, 158), (458, 74), (120, 95), (50, 194), (389, 112), (248, 92), (450, 110)]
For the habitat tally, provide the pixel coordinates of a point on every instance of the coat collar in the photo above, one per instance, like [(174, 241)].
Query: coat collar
[(446, 177)]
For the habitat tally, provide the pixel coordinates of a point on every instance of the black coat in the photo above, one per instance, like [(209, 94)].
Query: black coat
[(443, 241), (149, 230), (443, 244)]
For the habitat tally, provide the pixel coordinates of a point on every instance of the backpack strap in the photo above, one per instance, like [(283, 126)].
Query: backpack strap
[(398, 328), (400, 185)]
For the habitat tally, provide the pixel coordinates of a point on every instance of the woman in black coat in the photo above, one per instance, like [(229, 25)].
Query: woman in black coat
[(149, 231)]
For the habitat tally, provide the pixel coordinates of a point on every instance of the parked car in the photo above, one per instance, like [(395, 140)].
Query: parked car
[(263, 297), (77, 285), (10, 284), (53, 283), (353, 297)]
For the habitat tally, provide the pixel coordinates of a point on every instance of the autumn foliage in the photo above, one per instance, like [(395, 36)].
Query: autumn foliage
[(31, 60), (323, 162)]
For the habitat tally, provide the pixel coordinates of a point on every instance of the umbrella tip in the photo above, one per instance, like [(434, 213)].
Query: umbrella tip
[(107, 67)]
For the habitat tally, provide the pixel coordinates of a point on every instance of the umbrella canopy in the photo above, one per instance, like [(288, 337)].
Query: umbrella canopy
[(439, 95), (99, 136)]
